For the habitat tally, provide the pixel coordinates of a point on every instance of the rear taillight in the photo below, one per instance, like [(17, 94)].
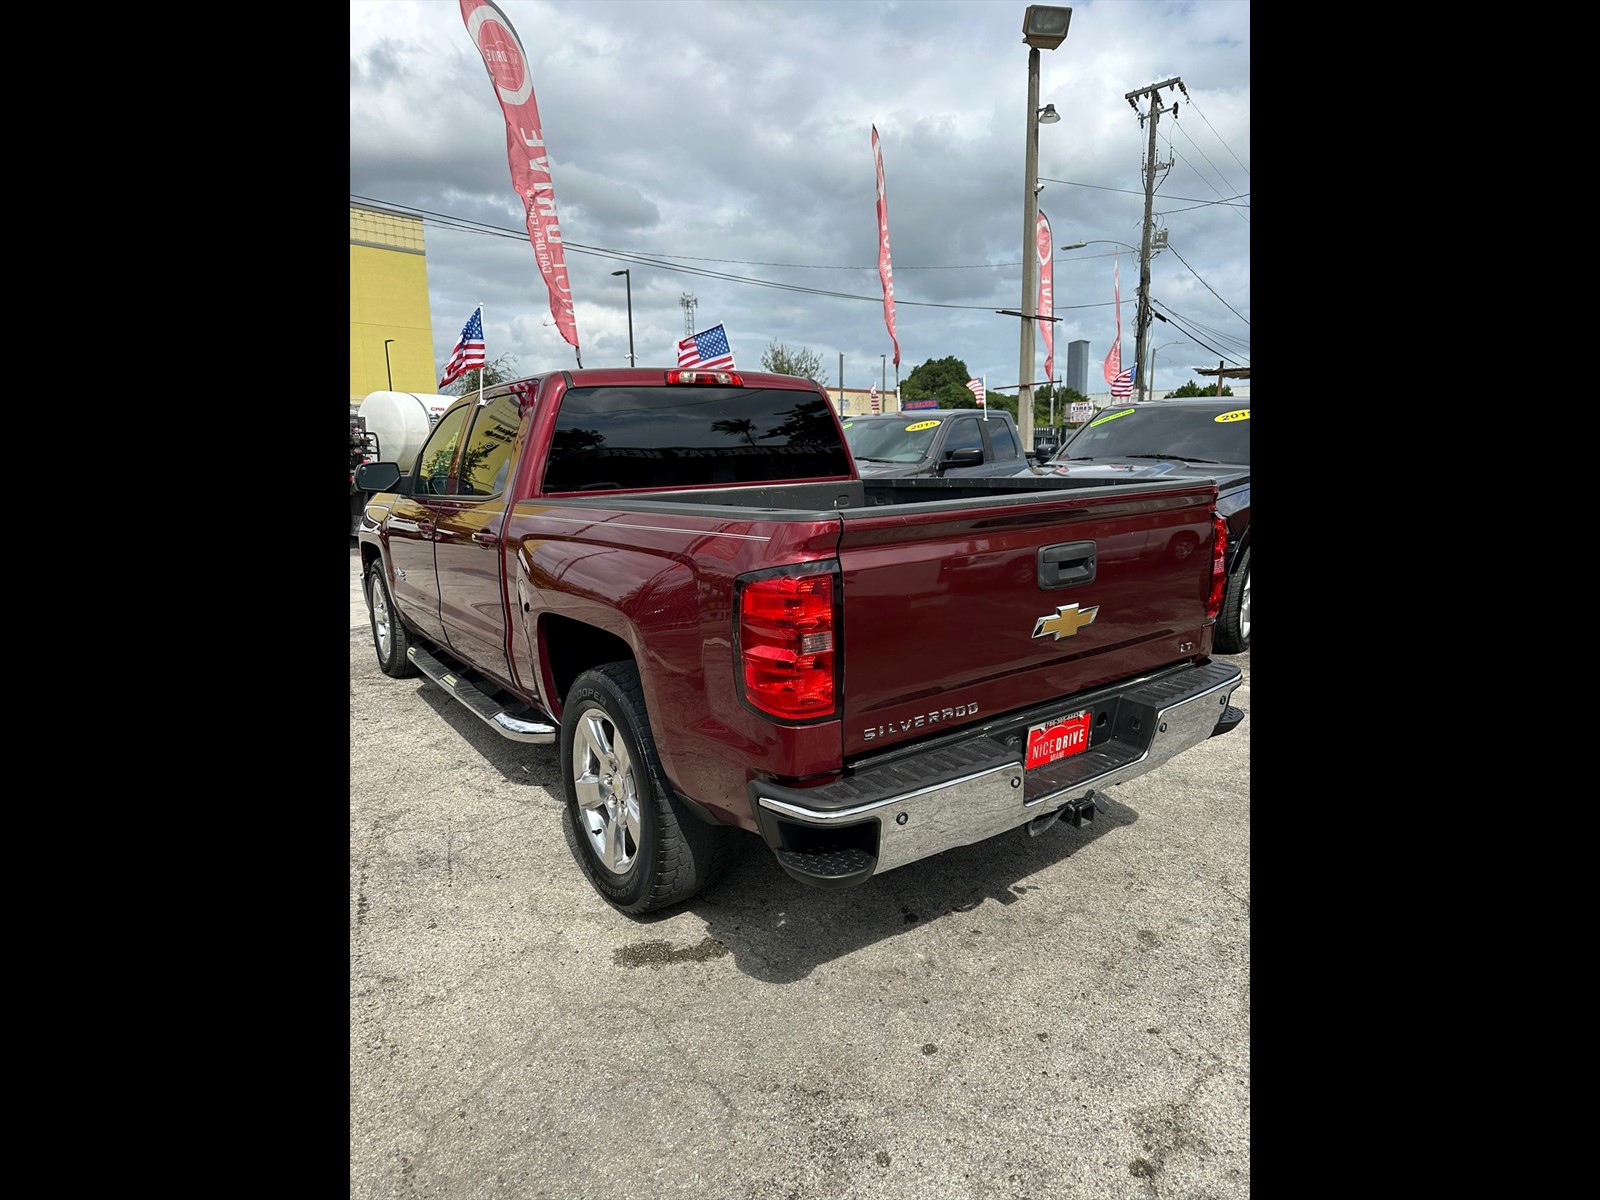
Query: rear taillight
[(787, 645), (1219, 565)]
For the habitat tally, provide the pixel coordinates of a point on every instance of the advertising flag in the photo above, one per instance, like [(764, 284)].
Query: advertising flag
[(1113, 366), (708, 349), (885, 268), (502, 53), (1047, 287), (468, 352)]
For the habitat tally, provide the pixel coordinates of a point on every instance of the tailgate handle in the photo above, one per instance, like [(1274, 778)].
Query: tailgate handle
[(1067, 564)]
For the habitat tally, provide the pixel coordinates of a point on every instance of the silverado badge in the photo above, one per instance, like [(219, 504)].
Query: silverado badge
[(1065, 621)]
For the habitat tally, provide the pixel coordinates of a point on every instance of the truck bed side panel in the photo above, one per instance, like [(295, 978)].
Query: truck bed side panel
[(660, 578)]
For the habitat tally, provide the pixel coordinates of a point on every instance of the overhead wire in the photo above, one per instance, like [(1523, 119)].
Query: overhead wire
[(459, 224)]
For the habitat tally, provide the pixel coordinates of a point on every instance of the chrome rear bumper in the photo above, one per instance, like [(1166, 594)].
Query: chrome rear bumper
[(966, 787)]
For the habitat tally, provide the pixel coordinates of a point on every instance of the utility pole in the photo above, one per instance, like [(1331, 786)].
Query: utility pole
[(1142, 318)]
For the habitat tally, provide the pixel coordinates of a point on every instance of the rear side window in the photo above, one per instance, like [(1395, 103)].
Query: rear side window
[(1004, 441), (622, 438)]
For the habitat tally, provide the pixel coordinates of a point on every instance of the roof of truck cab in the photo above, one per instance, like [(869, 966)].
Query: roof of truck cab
[(656, 376)]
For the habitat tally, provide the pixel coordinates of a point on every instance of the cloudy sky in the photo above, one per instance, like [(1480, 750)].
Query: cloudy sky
[(722, 149)]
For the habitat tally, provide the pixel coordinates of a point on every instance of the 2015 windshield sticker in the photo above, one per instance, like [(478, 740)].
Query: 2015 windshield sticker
[(916, 426), (1110, 417), (847, 424), (1238, 414)]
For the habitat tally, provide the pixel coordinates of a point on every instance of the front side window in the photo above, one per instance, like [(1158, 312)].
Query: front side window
[(617, 438), (965, 436), (433, 473), (487, 456)]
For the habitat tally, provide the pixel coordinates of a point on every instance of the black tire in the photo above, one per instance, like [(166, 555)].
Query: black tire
[(1233, 623), (639, 846), (389, 636)]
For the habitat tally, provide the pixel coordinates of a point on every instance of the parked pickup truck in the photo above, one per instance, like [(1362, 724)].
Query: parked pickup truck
[(935, 441), (679, 578)]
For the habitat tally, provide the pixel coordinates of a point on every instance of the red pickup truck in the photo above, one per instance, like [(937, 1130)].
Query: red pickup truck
[(679, 576)]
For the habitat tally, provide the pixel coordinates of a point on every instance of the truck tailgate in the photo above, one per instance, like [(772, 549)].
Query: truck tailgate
[(955, 612)]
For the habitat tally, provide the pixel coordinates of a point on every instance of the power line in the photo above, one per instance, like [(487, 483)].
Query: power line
[(1211, 127), (1207, 286), (1174, 321), (1210, 164), (461, 225), (1129, 192)]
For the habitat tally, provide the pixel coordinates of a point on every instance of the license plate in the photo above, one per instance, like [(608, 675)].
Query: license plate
[(1058, 739)]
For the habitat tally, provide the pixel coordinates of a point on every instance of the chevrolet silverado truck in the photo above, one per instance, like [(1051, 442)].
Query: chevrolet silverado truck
[(678, 577), (935, 441)]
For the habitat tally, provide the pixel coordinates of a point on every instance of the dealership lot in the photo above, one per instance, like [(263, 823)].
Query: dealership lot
[(1060, 1016)]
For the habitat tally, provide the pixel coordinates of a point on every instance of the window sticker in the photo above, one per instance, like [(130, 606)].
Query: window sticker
[(1110, 417), (1238, 414), (847, 424), (915, 426)]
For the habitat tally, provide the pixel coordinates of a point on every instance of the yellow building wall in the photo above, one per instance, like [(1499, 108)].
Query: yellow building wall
[(389, 299)]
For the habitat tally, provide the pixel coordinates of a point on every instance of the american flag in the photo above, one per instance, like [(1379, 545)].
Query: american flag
[(469, 349), (976, 386), (1122, 385), (708, 349)]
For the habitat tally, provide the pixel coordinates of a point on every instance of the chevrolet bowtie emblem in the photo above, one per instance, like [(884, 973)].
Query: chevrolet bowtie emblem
[(1065, 621)]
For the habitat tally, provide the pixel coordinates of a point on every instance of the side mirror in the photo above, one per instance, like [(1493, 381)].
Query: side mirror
[(377, 477), (972, 456)]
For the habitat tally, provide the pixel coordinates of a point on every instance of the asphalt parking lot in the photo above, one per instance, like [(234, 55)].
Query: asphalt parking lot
[(1066, 1016)]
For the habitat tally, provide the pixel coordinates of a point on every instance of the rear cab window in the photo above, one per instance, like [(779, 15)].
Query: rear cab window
[(631, 438)]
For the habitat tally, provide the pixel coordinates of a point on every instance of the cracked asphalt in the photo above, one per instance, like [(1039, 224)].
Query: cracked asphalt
[(1062, 1017)]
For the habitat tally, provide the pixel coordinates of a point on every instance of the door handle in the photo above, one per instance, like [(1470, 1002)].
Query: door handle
[(1066, 564)]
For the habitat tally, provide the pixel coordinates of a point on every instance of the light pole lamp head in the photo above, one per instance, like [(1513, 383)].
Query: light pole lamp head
[(1044, 27), (1048, 115), (624, 271)]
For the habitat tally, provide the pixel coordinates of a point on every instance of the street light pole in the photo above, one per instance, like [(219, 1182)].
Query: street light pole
[(387, 368), (1043, 28), (1153, 364), (628, 279), (1030, 256)]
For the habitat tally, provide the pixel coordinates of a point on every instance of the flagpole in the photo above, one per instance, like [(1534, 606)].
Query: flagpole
[(485, 366)]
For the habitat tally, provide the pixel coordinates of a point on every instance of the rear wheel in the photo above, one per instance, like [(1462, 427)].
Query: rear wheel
[(640, 848), (1233, 624), (389, 637)]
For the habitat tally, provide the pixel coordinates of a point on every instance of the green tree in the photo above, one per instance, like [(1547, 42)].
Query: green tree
[(1191, 388), (942, 380), (781, 360), (498, 371)]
